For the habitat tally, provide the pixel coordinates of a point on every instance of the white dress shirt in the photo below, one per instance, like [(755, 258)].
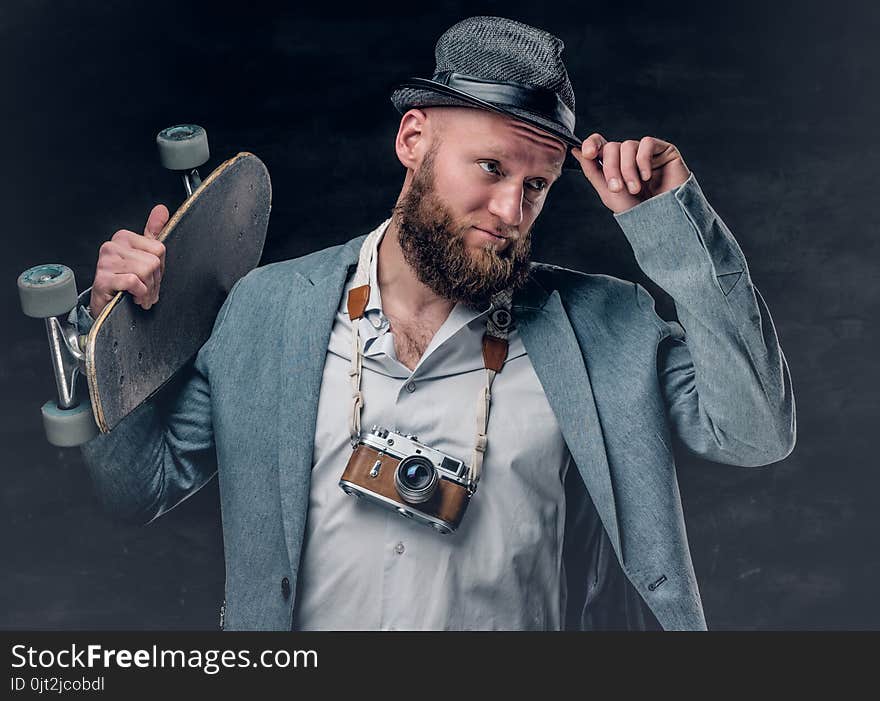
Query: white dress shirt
[(367, 568)]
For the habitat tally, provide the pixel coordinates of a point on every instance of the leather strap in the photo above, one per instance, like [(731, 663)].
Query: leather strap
[(494, 352), (357, 301)]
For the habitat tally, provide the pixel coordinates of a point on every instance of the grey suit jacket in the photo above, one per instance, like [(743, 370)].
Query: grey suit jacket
[(625, 385)]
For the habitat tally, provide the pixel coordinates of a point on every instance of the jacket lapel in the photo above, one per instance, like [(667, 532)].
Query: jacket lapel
[(308, 321), (556, 355)]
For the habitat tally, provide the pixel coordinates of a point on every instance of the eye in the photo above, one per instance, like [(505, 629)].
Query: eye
[(537, 185), (490, 167)]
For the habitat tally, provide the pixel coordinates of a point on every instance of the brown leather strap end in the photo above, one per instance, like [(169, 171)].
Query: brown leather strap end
[(494, 352), (357, 301)]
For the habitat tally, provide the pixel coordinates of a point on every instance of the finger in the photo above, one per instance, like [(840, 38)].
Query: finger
[(146, 267), (148, 264), (152, 230), (131, 283), (611, 165), (109, 254), (129, 239), (593, 144), (154, 287), (644, 155), (628, 167), (156, 221)]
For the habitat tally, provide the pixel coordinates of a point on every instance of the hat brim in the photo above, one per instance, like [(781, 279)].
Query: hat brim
[(421, 92)]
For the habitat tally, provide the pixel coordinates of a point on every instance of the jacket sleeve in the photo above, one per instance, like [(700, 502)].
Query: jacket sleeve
[(724, 377), (163, 452)]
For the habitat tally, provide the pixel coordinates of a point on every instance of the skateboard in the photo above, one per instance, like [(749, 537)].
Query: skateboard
[(211, 241)]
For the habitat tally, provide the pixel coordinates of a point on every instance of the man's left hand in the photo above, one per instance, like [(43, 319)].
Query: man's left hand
[(625, 174)]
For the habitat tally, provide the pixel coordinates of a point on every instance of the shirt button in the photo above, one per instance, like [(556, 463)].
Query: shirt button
[(410, 386), (399, 548), (285, 588)]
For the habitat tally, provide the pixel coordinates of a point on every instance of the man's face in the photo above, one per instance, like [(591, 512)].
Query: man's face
[(484, 174)]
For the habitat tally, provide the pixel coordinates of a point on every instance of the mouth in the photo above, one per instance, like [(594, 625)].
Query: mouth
[(491, 234)]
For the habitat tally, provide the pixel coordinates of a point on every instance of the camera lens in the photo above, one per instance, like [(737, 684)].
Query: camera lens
[(416, 476), (415, 479)]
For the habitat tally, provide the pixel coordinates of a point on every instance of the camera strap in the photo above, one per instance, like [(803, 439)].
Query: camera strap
[(499, 323)]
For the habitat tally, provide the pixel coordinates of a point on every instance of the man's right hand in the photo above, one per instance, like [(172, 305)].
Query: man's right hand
[(129, 262)]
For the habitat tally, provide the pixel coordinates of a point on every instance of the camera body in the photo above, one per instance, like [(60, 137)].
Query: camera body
[(397, 472)]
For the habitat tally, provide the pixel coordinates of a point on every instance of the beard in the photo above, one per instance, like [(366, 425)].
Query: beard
[(434, 246)]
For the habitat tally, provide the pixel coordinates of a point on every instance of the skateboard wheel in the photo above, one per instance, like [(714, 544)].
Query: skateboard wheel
[(67, 428), (47, 290), (183, 147)]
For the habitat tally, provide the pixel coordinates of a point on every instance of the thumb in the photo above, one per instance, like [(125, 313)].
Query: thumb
[(592, 169), (156, 221)]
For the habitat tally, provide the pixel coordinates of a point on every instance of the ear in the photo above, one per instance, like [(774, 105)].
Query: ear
[(411, 144)]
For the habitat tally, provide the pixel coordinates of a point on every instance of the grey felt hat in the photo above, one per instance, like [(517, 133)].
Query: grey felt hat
[(501, 65)]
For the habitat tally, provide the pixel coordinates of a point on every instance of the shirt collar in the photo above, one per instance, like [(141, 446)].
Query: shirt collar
[(374, 303)]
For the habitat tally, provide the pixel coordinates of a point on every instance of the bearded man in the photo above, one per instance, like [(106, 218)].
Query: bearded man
[(553, 398)]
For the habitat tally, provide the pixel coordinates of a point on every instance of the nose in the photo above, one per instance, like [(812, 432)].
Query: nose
[(506, 203)]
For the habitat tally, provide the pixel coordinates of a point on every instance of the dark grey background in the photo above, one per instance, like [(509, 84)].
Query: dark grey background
[(774, 109)]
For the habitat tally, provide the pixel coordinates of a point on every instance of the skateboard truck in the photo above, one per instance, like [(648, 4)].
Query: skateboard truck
[(48, 292)]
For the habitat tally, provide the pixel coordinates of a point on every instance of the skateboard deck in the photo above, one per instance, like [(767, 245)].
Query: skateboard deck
[(214, 239)]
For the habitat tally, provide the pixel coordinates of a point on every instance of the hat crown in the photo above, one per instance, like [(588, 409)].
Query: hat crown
[(501, 49)]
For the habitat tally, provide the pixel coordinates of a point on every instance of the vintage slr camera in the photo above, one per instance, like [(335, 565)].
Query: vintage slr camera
[(394, 470)]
